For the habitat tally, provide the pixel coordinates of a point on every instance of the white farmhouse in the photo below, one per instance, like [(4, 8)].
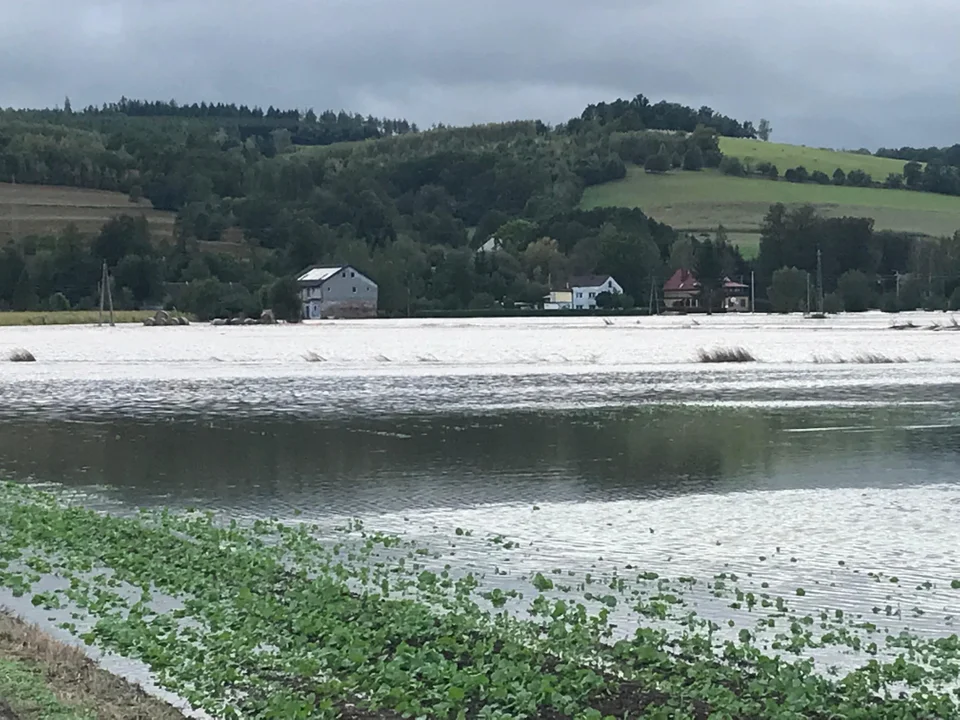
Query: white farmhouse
[(586, 288), (337, 292)]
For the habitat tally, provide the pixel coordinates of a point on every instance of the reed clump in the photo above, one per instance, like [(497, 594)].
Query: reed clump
[(21, 355), (725, 355)]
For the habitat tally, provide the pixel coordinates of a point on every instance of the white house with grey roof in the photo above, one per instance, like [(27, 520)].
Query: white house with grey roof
[(337, 292)]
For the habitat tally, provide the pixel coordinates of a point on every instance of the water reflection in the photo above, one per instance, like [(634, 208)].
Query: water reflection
[(343, 466)]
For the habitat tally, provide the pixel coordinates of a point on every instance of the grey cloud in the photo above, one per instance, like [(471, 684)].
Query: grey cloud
[(825, 72)]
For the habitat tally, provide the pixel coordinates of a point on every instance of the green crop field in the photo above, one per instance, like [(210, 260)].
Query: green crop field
[(790, 156), (700, 201), (43, 209)]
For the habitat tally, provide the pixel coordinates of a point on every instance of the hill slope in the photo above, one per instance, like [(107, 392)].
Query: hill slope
[(43, 209), (824, 160), (700, 201)]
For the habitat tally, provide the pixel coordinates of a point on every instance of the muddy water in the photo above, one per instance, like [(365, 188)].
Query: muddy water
[(589, 445)]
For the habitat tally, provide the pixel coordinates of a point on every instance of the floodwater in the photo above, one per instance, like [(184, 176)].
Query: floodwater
[(588, 444)]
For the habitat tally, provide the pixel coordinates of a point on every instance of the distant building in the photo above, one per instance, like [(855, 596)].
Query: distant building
[(736, 296), (337, 292), (586, 288), (683, 292), (558, 300), (491, 245)]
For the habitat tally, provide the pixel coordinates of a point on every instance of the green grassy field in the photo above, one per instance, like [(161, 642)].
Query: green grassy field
[(71, 317), (43, 209), (789, 156), (699, 202)]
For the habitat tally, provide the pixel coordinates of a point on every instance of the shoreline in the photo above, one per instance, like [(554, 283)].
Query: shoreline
[(71, 317), (43, 677)]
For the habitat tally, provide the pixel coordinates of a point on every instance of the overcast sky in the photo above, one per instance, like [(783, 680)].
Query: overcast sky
[(839, 73)]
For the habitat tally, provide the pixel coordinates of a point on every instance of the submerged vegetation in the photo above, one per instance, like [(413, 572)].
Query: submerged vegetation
[(291, 620), (725, 355), (21, 355)]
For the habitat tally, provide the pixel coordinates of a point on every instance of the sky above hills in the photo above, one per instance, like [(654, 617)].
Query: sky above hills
[(838, 73)]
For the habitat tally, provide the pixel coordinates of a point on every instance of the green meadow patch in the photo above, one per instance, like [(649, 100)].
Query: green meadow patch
[(278, 620), (700, 201)]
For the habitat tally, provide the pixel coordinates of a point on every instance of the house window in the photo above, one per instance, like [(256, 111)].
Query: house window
[(579, 294), (592, 295), (354, 288), (353, 274)]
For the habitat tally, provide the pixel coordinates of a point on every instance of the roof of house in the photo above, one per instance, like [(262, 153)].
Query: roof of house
[(491, 245), (682, 280), (319, 274), (589, 280), (732, 285)]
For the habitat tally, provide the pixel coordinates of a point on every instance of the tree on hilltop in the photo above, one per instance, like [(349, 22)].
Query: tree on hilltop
[(764, 131)]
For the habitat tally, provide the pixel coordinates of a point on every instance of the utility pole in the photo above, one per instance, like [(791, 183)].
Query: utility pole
[(898, 285), (106, 294), (14, 229)]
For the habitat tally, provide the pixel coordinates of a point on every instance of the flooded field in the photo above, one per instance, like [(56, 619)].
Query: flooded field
[(830, 464)]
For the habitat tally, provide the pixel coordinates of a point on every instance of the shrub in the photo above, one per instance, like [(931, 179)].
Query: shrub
[(855, 291), (712, 158), (890, 303), (832, 303), (693, 159), (58, 302), (787, 290), (285, 301), (894, 181), (732, 166), (839, 177), (659, 163), (819, 177)]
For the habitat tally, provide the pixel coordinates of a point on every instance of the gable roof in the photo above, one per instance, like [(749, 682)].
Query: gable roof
[(590, 280), (319, 274), (682, 280)]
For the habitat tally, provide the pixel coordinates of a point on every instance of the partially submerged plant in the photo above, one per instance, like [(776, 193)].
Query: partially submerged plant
[(21, 355), (725, 355), (284, 619)]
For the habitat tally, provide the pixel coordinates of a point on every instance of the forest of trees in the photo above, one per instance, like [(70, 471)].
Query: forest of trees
[(860, 266), (409, 208), (640, 114), (944, 156)]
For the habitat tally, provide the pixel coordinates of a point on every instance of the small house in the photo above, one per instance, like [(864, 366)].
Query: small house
[(337, 292), (681, 291), (586, 288), (736, 296)]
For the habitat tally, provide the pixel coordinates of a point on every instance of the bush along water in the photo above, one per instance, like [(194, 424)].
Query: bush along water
[(280, 620)]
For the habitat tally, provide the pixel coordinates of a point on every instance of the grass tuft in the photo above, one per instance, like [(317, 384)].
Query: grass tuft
[(21, 355), (866, 358), (725, 355)]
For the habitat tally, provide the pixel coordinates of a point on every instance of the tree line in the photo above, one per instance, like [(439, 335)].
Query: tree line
[(944, 156), (861, 268), (410, 209), (640, 114)]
